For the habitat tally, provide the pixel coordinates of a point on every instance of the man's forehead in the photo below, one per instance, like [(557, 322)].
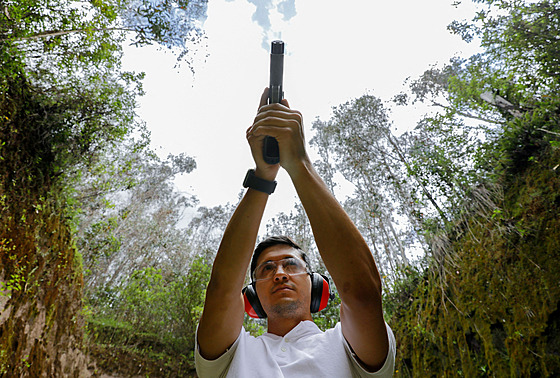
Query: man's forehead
[(277, 252)]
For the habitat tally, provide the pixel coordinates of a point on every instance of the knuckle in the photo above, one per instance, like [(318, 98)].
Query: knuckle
[(294, 123), (289, 131)]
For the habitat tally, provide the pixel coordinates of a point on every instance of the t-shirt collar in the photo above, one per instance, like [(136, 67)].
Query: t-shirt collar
[(304, 328)]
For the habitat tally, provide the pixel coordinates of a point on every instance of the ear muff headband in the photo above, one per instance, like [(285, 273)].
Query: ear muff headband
[(320, 295)]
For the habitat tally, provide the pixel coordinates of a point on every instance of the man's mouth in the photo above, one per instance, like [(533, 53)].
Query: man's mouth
[(282, 288)]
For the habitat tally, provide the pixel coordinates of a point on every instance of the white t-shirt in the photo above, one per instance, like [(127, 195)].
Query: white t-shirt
[(305, 351)]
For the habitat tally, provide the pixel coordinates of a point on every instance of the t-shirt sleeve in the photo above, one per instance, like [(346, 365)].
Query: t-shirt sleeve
[(218, 367), (388, 367)]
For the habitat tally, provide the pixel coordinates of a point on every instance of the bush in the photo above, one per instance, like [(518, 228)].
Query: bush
[(154, 314)]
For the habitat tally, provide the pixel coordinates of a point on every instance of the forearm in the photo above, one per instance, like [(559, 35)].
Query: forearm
[(238, 241), (342, 247)]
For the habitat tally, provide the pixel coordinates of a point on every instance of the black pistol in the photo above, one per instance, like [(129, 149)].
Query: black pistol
[(271, 153)]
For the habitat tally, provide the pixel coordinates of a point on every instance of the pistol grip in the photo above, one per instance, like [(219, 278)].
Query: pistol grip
[(271, 152)]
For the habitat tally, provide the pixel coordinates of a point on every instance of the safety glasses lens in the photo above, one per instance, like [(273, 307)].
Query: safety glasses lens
[(289, 265)]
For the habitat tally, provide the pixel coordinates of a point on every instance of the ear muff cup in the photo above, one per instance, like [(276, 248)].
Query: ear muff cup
[(320, 292), (320, 295), (253, 305)]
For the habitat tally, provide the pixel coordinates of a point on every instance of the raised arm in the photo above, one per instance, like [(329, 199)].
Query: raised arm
[(222, 316), (351, 265), (342, 247)]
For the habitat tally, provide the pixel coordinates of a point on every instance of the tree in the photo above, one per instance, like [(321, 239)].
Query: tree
[(296, 226), (358, 143), (207, 228), (130, 212)]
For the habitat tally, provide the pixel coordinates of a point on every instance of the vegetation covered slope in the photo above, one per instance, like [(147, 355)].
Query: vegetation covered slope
[(493, 308), (486, 302), (40, 270)]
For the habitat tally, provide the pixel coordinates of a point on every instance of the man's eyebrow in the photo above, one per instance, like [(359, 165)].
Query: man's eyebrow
[(283, 258)]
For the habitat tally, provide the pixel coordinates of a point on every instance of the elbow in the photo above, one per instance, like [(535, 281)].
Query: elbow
[(369, 304), (365, 294)]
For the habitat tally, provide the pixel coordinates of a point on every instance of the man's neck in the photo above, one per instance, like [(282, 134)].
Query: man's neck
[(281, 326)]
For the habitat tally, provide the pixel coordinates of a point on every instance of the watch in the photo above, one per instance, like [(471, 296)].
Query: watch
[(257, 183)]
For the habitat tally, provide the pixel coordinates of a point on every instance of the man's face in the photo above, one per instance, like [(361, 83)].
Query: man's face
[(284, 295)]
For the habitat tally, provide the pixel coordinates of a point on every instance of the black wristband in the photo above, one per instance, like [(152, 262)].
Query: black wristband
[(257, 183)]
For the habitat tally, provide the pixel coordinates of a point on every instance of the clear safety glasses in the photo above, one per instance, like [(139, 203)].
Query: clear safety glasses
[(290, 265)]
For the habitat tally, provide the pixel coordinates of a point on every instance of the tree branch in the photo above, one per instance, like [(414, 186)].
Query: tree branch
[(468, 115), (55, 33), (549, 132)]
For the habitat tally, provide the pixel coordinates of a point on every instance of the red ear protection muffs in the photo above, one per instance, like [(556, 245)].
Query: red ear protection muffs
[(253, 305), (320, 292), (320, 295)]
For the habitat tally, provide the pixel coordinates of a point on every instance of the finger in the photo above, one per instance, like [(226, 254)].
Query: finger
[(273, 106), (252, 139), (274, 125), (250, 135), (279, 113), (264, 98), (285, 102), (292, 123)]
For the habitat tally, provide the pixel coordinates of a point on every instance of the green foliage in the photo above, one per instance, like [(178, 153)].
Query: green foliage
[(255, 327), (90, 32), (493, 108), (401, 293), (46, 132), (16, 280), (118, 349), (152, 313), (129, 214)]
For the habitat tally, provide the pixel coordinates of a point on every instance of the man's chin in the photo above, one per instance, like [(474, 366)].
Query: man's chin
[(287, 308)]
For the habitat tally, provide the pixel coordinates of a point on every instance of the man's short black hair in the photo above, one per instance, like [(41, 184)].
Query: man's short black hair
[(276, 240)]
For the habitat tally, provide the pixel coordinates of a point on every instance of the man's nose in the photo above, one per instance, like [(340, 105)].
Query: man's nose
[(280, 274)]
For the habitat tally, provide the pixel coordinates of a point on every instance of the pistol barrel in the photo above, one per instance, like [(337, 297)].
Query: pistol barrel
[(276, 72), (271, 152)]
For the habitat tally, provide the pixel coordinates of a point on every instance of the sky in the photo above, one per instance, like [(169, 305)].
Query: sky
[(335, 51)]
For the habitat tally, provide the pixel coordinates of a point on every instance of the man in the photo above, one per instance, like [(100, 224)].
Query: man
[(360, 345)]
